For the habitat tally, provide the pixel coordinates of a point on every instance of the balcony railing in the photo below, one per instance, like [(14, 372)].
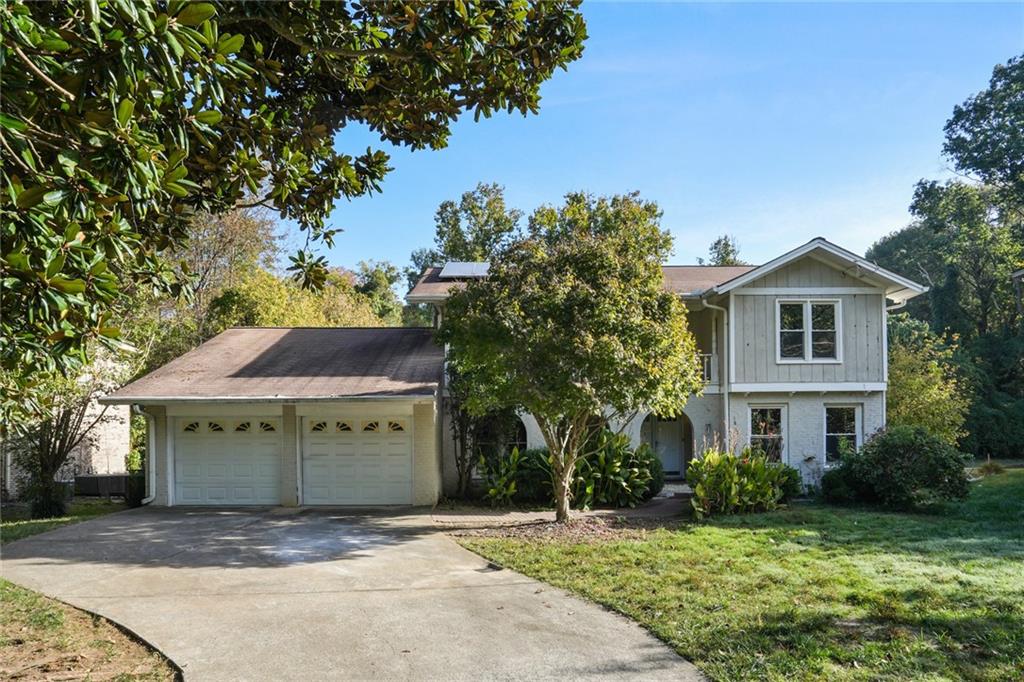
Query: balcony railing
[(709, 367)]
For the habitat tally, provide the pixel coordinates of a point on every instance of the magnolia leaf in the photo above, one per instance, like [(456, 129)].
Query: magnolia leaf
[(68, 286), (196, 13), (209, 117), (124, 112)]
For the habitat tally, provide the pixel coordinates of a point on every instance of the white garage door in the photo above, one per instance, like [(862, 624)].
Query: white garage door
[(357, 461), (227, 460)]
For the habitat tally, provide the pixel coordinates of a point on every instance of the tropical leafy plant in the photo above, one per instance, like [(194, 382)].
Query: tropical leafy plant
[(499, 474), (613, 474), (727, 483)]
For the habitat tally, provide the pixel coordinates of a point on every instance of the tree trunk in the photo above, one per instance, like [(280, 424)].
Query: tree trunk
[(562, 481)]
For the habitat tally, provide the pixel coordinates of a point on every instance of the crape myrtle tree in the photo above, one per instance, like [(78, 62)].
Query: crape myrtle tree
[(120, 119), (573, 322)]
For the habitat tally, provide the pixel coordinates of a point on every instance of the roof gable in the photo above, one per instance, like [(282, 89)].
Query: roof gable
[(896, 287)]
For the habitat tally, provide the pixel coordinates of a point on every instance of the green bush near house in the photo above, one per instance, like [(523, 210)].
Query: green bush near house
[(726, 483), (612, 474), (533, 479), (499, 476), (902, 467)]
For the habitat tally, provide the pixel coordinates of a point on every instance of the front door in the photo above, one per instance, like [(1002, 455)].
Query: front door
[(668, 443)]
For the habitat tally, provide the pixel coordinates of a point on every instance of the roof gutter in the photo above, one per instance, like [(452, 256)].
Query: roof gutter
[(725, 379), (161, 400)]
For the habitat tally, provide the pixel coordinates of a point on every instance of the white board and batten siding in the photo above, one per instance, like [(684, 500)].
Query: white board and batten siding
[(861, 312)]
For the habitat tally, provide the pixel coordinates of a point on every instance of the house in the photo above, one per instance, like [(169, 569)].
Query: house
[(794, 357)]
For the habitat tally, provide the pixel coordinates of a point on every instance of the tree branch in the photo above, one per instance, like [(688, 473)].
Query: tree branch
[(280, 29), (34, 69)]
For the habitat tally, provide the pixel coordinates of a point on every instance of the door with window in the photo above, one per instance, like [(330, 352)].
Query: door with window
[(768, 430), (227, 460), (357, 461)]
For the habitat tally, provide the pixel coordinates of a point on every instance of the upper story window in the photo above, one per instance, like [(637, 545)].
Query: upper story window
[(808, 331)]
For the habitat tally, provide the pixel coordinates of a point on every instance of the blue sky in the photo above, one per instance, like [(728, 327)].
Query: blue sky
[(774, 123)]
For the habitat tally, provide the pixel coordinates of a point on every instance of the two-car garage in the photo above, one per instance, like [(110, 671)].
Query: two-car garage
[(295, 417), (225, 460)]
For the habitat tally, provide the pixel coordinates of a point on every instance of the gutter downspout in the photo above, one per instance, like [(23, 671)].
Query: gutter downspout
[(150, 453), (725, 379)]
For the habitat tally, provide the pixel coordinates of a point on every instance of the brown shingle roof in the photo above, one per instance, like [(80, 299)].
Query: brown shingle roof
[(692, 279), (301, 364), (679, 279)]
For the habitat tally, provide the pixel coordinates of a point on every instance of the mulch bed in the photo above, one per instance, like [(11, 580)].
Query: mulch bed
[(582, 529)]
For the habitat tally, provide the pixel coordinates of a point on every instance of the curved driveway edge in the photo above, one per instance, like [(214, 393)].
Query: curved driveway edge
[(327, 594)]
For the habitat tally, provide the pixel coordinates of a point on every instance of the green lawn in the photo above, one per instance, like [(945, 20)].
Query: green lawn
[(814, 592), (16, 524)]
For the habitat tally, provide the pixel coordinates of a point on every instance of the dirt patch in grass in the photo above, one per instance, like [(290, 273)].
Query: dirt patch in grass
[(43, 639)]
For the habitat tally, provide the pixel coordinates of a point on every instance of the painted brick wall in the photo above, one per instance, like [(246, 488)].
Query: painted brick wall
[(289, 465), (160, 423), (426, 458), (804, 429)]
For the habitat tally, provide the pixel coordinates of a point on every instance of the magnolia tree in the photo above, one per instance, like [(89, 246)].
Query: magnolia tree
[(573, 322), (120, 120)]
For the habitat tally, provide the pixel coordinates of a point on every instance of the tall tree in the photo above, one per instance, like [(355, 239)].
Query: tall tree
[(473, 229), (573, 322), (221, 250), (263, 299), (723, 251), (985, 135), (121, 119), (924, 389), (376, 281), (977, 246)]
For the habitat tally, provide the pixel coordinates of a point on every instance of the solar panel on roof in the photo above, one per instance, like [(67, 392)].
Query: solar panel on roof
[(464, 270)]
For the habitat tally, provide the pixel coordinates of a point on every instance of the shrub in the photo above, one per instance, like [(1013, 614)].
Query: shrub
[(499, 476), (649, 458), (135, 489), (838, 486), (991, 468), (724, 483), (902, 467), (533, 478), (613, 474), (791, 483)]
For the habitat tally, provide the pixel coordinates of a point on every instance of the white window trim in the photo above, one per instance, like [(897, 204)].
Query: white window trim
[(808, 323), (783, 423), (858, 436)]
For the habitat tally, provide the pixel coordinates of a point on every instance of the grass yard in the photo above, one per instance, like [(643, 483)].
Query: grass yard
[(811, 592), (16, 524), (44, 639)]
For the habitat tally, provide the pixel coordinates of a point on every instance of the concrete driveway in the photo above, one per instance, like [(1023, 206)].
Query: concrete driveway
[(277, 594)]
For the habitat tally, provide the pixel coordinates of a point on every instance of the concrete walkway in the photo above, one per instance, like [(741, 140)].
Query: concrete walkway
[(279, 594)]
